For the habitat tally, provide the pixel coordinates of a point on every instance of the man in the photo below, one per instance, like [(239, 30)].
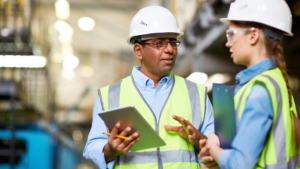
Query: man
[(179, 109)]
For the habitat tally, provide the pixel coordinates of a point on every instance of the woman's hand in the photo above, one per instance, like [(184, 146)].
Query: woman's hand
[(205, 157), (213, 145), (213, 140)]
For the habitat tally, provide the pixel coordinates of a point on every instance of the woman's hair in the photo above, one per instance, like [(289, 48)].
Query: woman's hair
[(275, 50)]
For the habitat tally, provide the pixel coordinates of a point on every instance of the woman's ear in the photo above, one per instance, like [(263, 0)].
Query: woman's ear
[(254, 36), (138, 51)]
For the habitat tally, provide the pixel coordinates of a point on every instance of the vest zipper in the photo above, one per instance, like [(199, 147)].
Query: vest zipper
[(160, 166)]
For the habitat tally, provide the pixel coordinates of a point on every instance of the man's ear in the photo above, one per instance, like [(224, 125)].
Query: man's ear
[(138, 50), (254, 36)]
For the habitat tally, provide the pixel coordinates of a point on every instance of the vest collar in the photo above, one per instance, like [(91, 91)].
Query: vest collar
[(143, 81), (245, 75)]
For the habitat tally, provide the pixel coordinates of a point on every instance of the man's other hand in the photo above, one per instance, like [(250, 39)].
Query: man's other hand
[(187, 130)]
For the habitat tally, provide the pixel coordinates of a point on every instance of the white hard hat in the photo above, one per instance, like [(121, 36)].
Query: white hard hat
[(153, 20), (272, 13)]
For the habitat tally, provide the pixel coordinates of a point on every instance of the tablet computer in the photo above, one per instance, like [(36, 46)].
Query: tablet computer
[(130, 117), (224, 114)]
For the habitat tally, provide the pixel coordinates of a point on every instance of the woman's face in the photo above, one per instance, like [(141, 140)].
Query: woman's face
[(238, 44)]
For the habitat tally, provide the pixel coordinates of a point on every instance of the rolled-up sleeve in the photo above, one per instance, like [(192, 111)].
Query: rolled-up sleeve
[(251, 137), (93, 150)]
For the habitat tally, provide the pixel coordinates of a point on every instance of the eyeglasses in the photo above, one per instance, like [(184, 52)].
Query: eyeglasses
[(231, 32), (163, 44)]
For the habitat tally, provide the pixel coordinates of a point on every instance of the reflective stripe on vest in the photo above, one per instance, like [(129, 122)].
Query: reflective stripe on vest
[(158, 157), (278, 130), (151, 157), (286, 165)]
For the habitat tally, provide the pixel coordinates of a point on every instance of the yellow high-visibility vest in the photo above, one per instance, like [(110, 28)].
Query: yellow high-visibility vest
[(279, 151), (186, 99)]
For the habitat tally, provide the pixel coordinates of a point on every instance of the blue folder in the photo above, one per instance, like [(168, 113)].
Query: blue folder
[(224, 114)]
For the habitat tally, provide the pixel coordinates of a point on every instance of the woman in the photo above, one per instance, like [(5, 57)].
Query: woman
[(268, 128)]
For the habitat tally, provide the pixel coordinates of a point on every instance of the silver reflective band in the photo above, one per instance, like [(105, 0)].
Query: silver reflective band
[(195, 103), (279, 128), (286, 165), (114, 95), (100, 98), (151, 157), (238, 110)]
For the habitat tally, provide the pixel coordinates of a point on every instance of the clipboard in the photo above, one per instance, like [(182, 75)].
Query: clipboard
[(224, 114), (130, 117)]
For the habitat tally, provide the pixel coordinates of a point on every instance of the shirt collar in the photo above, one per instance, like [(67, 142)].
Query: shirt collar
[(245, 75), (142, 80)]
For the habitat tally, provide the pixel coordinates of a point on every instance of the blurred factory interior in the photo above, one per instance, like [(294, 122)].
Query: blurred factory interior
[(55, 54)]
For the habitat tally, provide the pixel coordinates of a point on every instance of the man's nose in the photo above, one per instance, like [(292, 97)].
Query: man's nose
[(169, 48)]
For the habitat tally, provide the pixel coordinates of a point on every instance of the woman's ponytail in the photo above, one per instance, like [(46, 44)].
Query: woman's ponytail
[(276, 50)]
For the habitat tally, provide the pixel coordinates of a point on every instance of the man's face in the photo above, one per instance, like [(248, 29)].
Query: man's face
[(157, 60)]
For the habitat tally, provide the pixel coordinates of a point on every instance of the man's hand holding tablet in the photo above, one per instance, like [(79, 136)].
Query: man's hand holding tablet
[(116, 146)]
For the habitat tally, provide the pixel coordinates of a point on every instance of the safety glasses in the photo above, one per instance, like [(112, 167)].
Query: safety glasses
[(234, 34), (163, 44)]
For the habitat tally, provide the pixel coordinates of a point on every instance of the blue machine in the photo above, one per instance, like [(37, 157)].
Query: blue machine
[(38, 149), (42, 150)]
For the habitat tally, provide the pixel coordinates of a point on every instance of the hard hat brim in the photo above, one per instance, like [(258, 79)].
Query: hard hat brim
[(227, 21), (179, 34)]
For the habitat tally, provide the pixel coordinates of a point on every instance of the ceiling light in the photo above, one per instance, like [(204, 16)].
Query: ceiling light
[(68, 74), (86, 23), (22, 61), (62, 9), (5, 32), (198, 77), (70, 62), (64, 28), (65, 39)]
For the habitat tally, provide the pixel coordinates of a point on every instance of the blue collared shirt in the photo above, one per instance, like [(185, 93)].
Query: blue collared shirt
[(255, 122), (155, 97)]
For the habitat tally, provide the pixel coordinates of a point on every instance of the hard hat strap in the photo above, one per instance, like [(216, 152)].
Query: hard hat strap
[(269, 31), (273, 33)]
